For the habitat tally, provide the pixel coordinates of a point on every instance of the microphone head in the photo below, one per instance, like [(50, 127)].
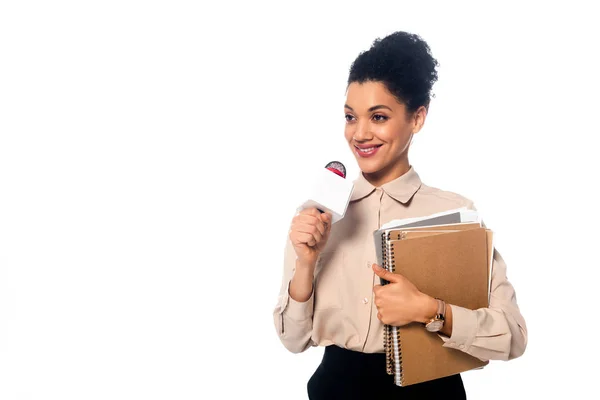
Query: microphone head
[(337, 167)]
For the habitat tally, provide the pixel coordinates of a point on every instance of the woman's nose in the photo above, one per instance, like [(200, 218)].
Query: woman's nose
[(362, 132)]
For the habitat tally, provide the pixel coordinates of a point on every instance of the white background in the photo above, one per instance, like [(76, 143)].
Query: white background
[(151, 155)]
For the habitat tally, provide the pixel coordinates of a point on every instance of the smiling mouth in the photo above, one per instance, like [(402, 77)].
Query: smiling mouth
[(368, 149)]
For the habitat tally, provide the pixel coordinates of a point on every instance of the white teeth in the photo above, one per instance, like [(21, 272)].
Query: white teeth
[(366, 150)]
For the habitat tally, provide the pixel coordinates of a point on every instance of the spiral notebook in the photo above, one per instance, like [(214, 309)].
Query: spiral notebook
[(451, 261)]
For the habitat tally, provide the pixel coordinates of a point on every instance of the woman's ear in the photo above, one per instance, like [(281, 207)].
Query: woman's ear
[(419, 119)]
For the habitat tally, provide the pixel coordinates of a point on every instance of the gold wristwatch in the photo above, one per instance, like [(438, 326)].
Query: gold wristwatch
[(437, 322)]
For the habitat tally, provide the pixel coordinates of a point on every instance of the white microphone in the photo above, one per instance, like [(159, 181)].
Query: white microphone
[(329, 191)]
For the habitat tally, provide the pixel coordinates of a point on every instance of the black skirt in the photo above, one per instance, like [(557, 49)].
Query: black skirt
[(346, 374)]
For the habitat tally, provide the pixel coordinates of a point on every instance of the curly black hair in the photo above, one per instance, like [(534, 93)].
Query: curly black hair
[(403, 63)]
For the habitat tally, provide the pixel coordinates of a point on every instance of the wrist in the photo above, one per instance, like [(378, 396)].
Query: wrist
[(301, 285), (428, 309), (305, 266)]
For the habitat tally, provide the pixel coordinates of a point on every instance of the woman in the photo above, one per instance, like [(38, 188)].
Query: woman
[(330, 294)]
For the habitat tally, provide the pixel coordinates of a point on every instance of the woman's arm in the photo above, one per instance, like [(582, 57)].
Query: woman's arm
[(498, 332), (301, 285), (294, 311)]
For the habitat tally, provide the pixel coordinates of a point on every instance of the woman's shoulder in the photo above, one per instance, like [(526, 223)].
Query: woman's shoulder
[(446, 196)]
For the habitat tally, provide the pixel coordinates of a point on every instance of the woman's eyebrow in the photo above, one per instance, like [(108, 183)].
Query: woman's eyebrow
[(377, 107)]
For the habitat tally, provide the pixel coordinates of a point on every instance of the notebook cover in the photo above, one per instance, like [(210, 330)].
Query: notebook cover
[(412, 233), (463, 226), (453, 218), (453, 267)]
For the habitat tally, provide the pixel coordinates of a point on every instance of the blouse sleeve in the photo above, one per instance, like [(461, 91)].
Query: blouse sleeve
[(293, 320), (494, 333), (497, 332)]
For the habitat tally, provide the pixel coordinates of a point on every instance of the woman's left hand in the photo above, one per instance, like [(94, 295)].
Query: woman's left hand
[(400, 302)]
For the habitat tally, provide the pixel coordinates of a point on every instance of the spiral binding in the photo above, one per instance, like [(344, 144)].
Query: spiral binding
[(387, 345), (391, 335)]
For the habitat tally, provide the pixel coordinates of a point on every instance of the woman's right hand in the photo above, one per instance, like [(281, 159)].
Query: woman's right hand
[(309, 233)]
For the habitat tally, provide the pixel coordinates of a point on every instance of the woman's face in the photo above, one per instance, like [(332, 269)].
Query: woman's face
[(379, 130)]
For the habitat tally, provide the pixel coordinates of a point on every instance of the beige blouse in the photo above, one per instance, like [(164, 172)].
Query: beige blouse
[(341, 311)]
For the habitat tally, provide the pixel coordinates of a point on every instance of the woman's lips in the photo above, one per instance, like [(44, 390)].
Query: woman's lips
[(367, 151)]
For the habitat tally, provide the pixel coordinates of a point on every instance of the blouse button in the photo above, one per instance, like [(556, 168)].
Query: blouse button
[(365, 300)]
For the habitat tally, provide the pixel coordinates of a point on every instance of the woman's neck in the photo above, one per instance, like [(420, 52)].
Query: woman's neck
[(388, 174)]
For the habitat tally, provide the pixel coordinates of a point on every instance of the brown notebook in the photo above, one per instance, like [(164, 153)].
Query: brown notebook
[(410, 233), (452, 265)]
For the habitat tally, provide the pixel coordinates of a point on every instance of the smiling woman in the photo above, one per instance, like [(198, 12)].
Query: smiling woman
[(384, 129), (329, 298)]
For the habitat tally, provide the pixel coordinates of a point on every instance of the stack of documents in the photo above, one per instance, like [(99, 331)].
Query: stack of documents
[(446, 255)]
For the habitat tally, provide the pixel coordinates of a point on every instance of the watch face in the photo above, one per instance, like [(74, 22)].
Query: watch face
[(434, 326)]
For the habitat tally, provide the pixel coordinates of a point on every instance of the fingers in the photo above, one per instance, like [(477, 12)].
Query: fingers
[(302, 230), (310, 211), (300, 237), (308, 228), (377, 291), (384, 274), (326, 218), (384, 320), (310, 220), (311, 224), (303, 238)]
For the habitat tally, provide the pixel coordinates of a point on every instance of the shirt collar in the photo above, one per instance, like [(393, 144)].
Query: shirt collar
[(402, 188)]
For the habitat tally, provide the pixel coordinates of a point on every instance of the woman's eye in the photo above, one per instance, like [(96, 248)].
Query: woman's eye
[(349, 118), (379, 118)]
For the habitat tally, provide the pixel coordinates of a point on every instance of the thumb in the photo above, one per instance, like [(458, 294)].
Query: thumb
[(326, 218), (384, 274)]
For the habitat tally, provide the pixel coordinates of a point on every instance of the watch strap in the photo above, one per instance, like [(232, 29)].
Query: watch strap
[(441, 311)]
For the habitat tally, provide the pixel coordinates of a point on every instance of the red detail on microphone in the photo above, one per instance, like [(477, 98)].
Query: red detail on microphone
[(337, 171), (337, 168)]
